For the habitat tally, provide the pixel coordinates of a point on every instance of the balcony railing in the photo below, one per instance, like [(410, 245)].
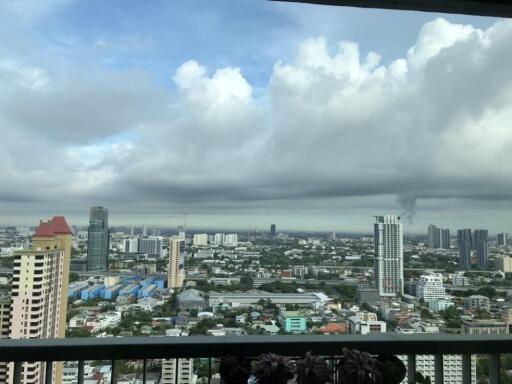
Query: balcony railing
[(330, 346)]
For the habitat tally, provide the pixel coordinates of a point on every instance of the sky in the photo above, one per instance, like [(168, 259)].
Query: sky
[(246, 113)]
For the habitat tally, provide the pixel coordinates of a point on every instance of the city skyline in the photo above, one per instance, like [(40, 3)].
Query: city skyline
[(370, 133)]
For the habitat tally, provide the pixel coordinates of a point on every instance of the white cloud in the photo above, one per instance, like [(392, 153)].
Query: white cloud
[(331, 123), (226, 86)]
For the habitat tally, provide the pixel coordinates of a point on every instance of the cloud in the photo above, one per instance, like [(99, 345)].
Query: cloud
[(77, 107), (331, 123)]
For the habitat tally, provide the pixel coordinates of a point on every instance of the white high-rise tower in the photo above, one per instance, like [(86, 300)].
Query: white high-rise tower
[(389, 255)]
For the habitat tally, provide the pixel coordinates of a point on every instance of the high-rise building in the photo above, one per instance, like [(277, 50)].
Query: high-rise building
[(5, 312), (200, 239), (481, 243), (430, 287), (176, 266), (217, 239), (131, 245), (503, 263), (434, 237), (389, 255), (152, 246), (98, 240), (273, 230), (464, 240), (38, 297), (445, 238), (230, 240), (185, 374), (502, 239), (438, 237)]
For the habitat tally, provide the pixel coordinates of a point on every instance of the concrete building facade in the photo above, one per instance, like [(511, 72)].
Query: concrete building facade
[(38, 297), (389, 255), (98, 239), (176, 263)]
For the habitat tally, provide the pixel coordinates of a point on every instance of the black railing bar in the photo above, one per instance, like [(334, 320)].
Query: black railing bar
[(18, 368), (144, 361), (209, 370), (438, 369), (133, 348), (411, 369), (177, 361), (48, 370), (494, 369), (81, 372), (113, 376), (466, 369)]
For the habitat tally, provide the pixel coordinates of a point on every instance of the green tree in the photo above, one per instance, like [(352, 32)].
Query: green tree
[(78, 332), (488, 291)]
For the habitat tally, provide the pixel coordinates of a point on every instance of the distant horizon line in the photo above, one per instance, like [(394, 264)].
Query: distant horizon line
[(243, 231)]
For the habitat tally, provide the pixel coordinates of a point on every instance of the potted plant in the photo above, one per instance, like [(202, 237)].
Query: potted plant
[(312, 370), (234, 370), (272, 369), (392, 369), (355, 367)]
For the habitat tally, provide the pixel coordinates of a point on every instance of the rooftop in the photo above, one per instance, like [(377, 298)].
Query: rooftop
[(56, 226)]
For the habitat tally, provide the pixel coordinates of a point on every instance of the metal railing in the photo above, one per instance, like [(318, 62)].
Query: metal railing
[(144, 348)]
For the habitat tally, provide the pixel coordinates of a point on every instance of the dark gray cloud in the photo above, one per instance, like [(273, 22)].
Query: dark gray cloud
[(331, 125)]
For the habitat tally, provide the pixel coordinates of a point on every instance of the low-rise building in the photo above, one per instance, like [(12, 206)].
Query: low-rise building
[(293, 322), (357, 326), (439, 305), (484, 327), (247, 299), (459, 279), (191, 299), (367, 294), (477, 302)]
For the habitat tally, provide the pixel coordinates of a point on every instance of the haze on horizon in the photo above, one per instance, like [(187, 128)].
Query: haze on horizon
[(248, 113)]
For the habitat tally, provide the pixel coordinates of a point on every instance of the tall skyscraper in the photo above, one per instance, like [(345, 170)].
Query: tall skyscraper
[(389, 260), (176, 265), (445, 238), (502, 239), (465, 242), (38, 297), (433, 236), (438, 237), (98, 240), (481, 241), (273, 230)]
